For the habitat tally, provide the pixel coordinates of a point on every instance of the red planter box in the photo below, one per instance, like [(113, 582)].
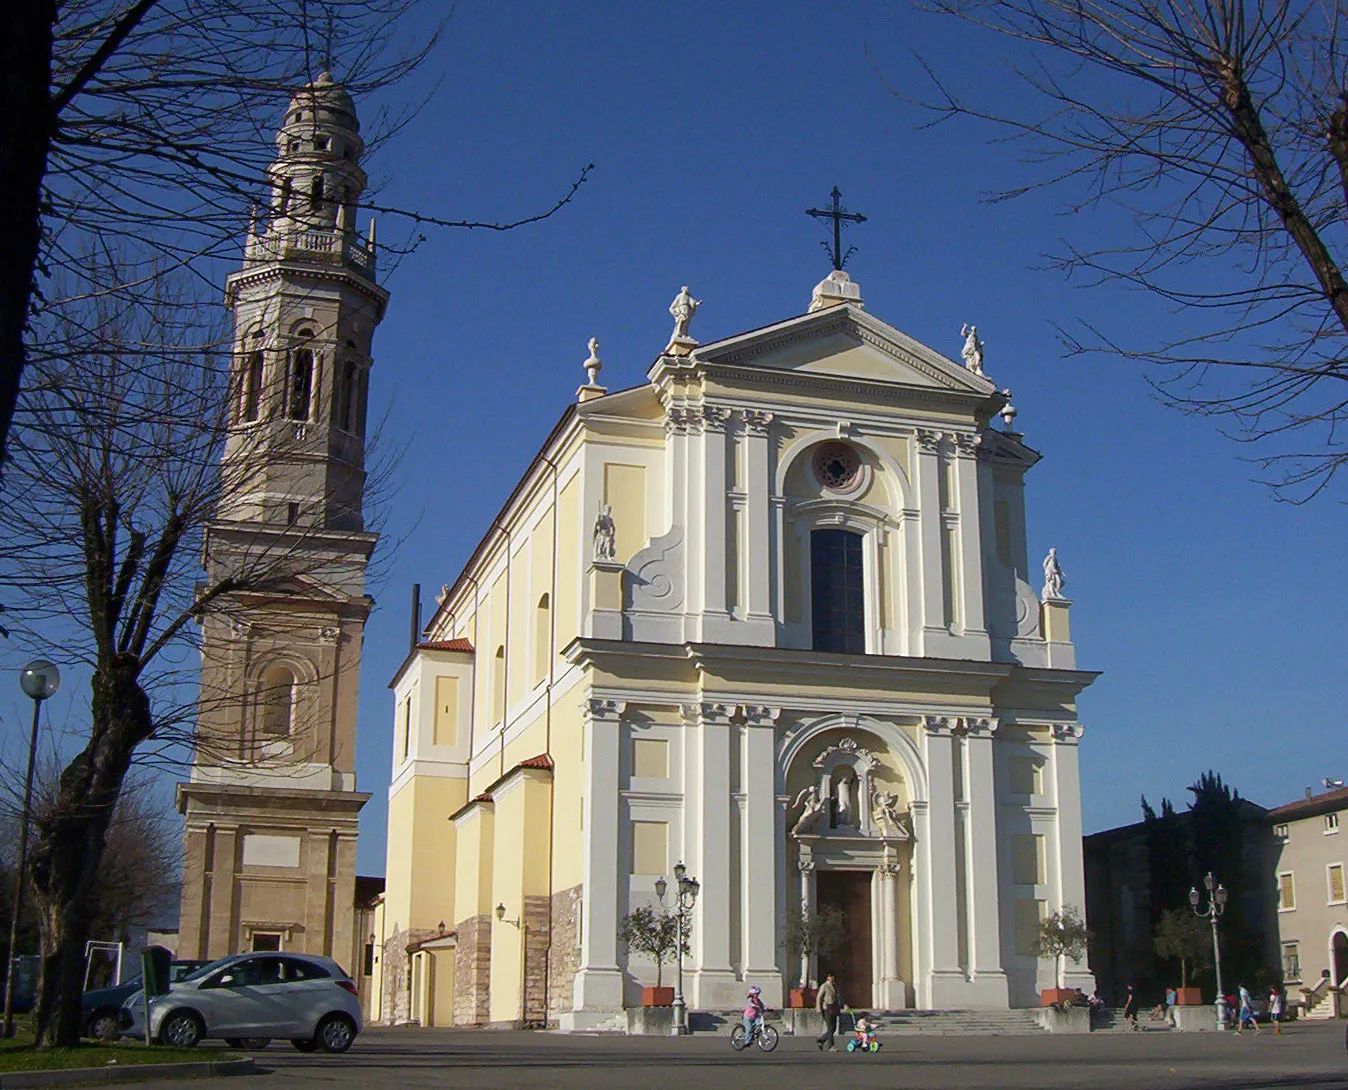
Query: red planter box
[(801, 997), (1049, 996), (1188, 997), (657, 997)]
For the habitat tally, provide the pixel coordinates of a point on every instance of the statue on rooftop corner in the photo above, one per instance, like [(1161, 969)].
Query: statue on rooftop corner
[(973, 348), (1054, 580), (605, 535), (682, 309)]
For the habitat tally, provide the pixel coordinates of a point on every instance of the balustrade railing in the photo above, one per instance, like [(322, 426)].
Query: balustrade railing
[(353, 251)]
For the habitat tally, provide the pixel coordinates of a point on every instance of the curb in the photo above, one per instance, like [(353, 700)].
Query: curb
[(98, 1076)]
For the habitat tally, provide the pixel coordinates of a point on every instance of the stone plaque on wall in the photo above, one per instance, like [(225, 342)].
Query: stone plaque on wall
[(260, 850)]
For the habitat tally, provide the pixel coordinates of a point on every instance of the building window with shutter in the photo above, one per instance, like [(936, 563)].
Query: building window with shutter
[(1287, 894), (1331, 823), (1334, 880)]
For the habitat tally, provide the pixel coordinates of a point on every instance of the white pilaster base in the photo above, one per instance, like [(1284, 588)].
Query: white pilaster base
[(714, 989), (598, 990), (954, 991), (774, 995), (893, 995)]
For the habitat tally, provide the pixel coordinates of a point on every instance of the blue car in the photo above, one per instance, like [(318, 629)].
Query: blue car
[(102, 1004)]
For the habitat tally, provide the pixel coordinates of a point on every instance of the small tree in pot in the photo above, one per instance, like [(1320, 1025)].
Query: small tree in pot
[(1062, 934), (654, 933), (1187, 937), (811, 936)]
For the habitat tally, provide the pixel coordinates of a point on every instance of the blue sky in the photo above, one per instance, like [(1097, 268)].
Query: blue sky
[(1212, 610)]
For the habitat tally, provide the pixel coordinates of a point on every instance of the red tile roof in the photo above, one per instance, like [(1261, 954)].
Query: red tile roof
[(445, 645), (541, 761), (1324, 803)]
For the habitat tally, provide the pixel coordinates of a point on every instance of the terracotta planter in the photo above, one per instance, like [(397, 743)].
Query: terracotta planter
[(657, 997), (1188, 997), (1049, 996), (801, 997)]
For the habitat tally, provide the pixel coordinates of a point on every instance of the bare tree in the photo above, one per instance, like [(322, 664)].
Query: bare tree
[(116, 481), (1221, 130), (145, 120)]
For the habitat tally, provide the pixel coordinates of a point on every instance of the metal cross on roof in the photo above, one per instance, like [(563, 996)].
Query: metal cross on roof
[(837, 213)]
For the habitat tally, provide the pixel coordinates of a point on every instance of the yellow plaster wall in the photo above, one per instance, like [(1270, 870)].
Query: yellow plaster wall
[(507, 886), (530, 742), (568, 857), (473, 863), (442, 1011), (517, 636), (625, 492), (419, 865), (398, 857), (566, 610)]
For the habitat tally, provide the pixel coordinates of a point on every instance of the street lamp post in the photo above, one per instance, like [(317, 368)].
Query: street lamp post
[(1216, 906), (685, 897), (39, 680)]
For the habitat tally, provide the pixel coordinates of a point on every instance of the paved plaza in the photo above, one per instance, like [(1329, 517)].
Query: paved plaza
[(1307, 1056)]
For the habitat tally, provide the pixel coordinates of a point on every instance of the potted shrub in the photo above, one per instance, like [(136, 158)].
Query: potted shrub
[(810, 936), (655, 934), (1062, 934), (1188, 938)]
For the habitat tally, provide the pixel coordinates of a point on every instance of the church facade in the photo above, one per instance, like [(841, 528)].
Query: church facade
[(271, 805), (770, 615)]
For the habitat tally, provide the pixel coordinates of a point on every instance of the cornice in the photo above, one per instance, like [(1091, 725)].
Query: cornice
[(279, 270)]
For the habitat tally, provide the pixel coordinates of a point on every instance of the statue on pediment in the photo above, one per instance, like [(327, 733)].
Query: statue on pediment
[(1054, 580), (605, 535), (973, 348), (682, 310)]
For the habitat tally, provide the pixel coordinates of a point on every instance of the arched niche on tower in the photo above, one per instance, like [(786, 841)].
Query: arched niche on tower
[(283, 709)]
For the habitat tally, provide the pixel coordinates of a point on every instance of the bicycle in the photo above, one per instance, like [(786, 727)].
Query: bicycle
[(764, 1035)]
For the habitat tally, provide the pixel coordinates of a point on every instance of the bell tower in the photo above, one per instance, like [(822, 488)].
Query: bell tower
[(271, 802)]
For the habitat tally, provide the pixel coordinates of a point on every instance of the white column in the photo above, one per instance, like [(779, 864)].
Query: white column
[(760, 628), (947, 980), (935, 634), (984, 899), (710, 551), (892, 995), (713, 983), (924, 942), (805, 864), (1071, 886), (599, 982), (975, 635), (760, 910)]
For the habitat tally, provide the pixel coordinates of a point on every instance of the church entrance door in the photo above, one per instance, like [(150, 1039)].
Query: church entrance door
[(850, 961)]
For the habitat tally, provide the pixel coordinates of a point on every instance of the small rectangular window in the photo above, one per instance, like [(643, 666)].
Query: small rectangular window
[(1287, 894), (266, 940), (369, 959), (1280, 832), (1334, 882), (1331, 823), (1291, 962)]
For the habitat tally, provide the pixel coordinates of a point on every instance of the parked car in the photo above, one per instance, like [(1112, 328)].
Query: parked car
[(248, 999), (102, 1005)]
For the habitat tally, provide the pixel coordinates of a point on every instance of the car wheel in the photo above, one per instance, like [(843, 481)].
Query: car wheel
[(182, 1029), (305, 1044), (103, 1026), (335, 1033)]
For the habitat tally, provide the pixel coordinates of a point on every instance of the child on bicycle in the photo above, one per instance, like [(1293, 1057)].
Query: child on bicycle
[(753, 1012), (865, 1031)]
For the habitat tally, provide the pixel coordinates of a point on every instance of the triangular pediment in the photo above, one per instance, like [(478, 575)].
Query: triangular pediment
[(847, 343)]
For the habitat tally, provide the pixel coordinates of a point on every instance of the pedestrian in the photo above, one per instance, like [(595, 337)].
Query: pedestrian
[(1171, 996), (1275, 1008), (1246, 1011), (828, 1004), (1130, 1008)]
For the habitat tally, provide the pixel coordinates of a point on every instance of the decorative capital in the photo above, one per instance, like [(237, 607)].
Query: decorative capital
[(961, 726), (709, 712), (761, 715), (929, 439), (1068, 732), (714, 417), (939, 724), (757, 421), (967, 443), (327, 634), (682, 420), (602, 708), (806, 865)]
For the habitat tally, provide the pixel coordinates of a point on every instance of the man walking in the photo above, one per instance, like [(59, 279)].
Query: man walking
[(828, 1004), (1130, 1008)]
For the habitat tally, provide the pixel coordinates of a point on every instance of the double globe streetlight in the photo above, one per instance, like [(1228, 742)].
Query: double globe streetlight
[(39, 680), (1217, 896), (685, 898)]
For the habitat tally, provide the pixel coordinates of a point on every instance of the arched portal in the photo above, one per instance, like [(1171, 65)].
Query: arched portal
[(1338, 948)]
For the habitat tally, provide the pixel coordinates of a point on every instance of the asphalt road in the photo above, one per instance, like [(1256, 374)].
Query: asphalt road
[(1309, 1056)]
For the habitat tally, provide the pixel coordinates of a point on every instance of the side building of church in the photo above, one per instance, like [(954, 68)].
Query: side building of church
[(771, 615)]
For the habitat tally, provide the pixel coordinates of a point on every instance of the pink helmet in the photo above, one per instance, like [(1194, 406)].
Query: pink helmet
[(755, 990)]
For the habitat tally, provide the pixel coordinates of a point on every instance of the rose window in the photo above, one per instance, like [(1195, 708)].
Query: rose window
[(837, 466)]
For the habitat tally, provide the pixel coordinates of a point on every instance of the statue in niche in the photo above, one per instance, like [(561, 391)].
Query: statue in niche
[(885, 811), (814, 806), (605, 535), (846, 815)]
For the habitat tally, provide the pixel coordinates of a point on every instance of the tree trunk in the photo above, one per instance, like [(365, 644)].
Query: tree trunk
[(70, 842), (26, 129)]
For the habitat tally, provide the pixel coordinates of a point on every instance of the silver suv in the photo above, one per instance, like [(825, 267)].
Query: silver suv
[(250, 998)]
